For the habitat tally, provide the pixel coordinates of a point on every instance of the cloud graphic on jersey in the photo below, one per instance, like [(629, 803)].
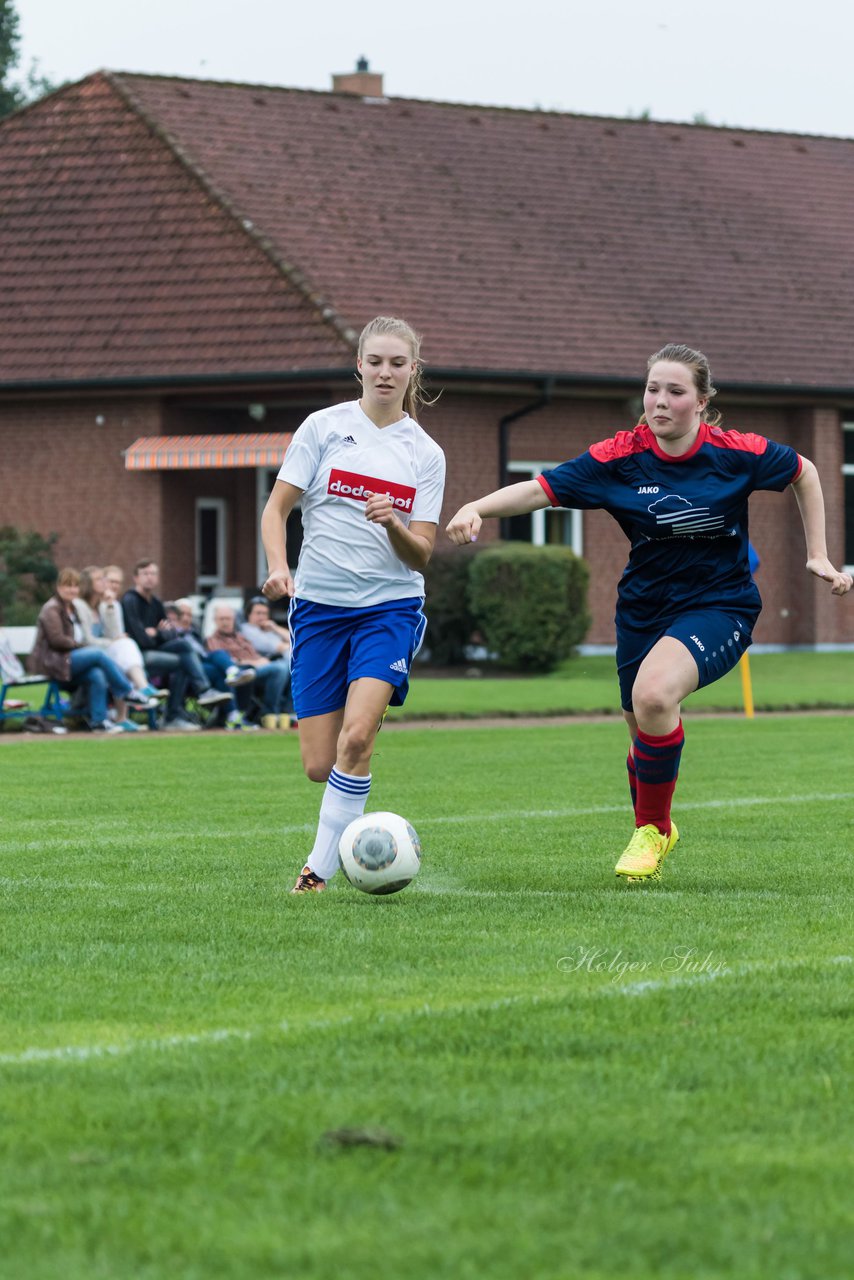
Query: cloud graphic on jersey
[(680, 516), (670, 502)]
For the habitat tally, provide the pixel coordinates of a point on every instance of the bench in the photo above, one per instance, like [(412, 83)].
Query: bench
[(53, 706), (21, 641)]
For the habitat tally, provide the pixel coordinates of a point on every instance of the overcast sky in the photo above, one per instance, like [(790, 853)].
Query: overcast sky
[(759, 64)]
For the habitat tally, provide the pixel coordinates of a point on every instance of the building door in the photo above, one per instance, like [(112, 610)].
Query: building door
[(210, 544)]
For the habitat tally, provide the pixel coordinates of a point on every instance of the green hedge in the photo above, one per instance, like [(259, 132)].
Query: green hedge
[(450, 623), (529, 603)]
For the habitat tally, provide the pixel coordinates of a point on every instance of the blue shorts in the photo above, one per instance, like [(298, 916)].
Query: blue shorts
[(333, 646), (715, 639)]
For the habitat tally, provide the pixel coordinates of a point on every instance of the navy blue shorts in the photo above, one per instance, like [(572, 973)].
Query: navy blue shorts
[(715, 639), (333, 646)]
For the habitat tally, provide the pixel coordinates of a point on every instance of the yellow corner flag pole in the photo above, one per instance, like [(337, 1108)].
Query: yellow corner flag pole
[(746, 686)]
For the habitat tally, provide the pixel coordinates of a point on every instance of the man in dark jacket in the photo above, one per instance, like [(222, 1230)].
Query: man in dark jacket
[(165, 653)]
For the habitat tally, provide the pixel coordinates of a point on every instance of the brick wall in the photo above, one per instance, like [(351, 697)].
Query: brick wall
[(63, 471)]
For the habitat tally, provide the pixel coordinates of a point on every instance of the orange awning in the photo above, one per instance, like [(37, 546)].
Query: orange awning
[(184, 453)]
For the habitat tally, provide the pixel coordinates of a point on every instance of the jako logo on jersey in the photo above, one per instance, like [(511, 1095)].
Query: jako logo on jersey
[(348, 484), (648, 488)]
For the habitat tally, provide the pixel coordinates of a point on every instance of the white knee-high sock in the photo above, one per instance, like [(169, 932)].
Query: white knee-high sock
[(344, 799)]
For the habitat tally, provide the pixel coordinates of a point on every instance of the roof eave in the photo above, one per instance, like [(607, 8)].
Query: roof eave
[(159, 383), (156, 383), (732, 388)]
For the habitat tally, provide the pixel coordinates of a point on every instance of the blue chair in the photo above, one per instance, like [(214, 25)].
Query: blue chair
[(53, 706)]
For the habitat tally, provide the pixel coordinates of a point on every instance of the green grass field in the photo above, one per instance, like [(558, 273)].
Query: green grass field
[(780, 681), (581, 685), (555, 1076)]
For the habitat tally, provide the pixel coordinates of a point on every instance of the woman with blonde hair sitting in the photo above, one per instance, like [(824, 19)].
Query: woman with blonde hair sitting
[(103, 628)]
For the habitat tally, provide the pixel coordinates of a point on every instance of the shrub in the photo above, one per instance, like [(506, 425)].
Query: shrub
[(529, 602), (449, 617), (27, 574)]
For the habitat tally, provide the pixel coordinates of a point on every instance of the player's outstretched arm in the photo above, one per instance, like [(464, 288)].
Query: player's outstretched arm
[(513, 500), (810, 501)]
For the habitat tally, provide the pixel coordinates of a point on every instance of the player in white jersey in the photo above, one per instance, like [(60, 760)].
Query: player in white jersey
[(370, 482)]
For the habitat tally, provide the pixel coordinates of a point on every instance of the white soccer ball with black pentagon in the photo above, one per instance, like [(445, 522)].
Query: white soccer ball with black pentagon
[(380, 853)]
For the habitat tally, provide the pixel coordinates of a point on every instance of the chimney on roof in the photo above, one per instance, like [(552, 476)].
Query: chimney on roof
[(361, 82)]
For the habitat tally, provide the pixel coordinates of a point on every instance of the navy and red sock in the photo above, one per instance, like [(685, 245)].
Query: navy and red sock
[(633, 780), (656, 767)]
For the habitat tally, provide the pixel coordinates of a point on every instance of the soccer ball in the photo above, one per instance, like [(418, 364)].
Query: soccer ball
[(379, 853)]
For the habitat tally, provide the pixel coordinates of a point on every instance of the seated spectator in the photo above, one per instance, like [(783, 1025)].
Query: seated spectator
[(220, 670), (265, 635), (59, 652), (113, 590), (164, 652), (272, 675), (270, 640), (103, 627), (109, 606)]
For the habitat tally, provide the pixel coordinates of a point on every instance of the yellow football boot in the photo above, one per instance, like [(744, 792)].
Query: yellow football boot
[(644, 854)]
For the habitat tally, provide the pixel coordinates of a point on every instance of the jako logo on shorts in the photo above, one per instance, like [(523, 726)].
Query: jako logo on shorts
[(349, 484)]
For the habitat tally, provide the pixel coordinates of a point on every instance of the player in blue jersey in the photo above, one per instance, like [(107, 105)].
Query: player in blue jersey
[(369, 482), (678, 485)]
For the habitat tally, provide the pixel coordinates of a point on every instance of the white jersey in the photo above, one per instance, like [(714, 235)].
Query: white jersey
[(339, 458)]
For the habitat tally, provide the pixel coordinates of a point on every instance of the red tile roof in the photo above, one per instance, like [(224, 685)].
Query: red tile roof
[(160, 226), (116, 262)]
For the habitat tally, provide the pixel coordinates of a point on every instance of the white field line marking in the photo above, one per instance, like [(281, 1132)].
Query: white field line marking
[(507, 815), (742, 802), (433, 889), (711, 975), (511, 815), (220, 1035)]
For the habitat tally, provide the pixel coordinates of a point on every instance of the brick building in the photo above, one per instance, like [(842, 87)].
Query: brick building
[(183, 259)]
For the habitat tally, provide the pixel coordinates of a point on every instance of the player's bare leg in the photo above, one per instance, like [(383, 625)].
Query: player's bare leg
[(367, 700), (666, 676), (318, 740), (337, 749)]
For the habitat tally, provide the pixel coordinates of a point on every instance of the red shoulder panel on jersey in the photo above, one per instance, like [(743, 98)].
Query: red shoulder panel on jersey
[(622, 444), (746, 441), (549, 492)]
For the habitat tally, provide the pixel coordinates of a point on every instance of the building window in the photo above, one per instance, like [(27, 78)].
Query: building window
[(551, 527), (210, 543), (848, 489)]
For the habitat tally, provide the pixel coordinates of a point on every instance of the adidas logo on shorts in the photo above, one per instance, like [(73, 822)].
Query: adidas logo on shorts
[(400, 665)]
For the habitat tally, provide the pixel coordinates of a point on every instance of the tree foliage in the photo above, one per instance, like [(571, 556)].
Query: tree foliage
[(27, 574), (15, 94)]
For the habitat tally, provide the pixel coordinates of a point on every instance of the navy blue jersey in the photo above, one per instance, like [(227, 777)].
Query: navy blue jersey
[(685, 517)]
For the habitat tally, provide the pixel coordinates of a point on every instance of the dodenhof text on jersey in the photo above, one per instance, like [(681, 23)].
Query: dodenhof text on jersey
[(349, 484)]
